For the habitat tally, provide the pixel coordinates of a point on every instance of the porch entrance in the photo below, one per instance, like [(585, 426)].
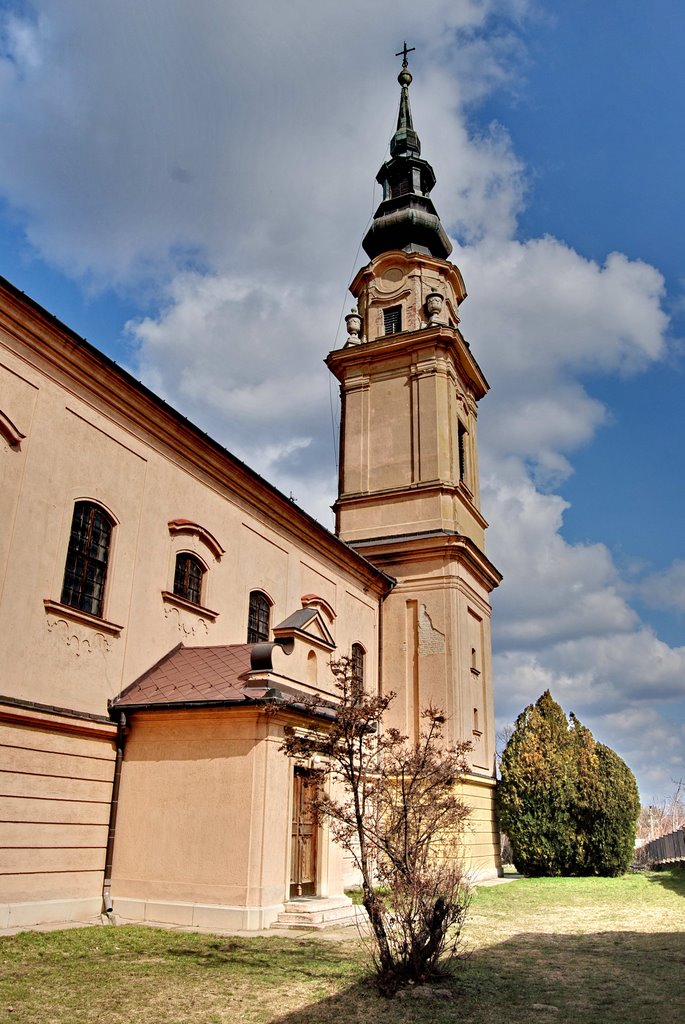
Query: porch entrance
[(304, 842)]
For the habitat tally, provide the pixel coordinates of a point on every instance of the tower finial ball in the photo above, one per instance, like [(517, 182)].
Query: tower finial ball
[(404, 77)]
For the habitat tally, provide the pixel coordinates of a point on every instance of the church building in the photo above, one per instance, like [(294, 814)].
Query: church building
[(163, 607)]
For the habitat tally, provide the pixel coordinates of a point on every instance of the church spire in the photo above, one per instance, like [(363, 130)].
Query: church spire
[(406, 218), (405, 141)]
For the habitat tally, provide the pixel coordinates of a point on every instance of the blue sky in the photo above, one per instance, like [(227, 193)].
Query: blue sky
[(597, 117), (188, 189)]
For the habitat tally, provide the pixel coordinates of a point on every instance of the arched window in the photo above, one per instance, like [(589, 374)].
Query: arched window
[(258, 618), (357, 668), (188, 577), (85, 573)]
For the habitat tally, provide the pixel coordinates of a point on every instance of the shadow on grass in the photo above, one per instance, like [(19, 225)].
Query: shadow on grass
[(303, 957), (612, 977), (670, 877)]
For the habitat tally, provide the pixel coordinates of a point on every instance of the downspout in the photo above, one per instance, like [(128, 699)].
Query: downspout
[(109, 855), (381, 612)]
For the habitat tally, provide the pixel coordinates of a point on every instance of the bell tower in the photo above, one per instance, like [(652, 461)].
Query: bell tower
[(408, 496)]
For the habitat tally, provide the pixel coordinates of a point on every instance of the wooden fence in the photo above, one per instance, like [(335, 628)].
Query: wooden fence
[(668, 849)]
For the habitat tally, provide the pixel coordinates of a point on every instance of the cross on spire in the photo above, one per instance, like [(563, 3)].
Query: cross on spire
[(403, 54)]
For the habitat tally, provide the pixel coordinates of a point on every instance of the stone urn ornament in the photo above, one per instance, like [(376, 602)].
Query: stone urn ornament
[(354, 326), (434, 303)]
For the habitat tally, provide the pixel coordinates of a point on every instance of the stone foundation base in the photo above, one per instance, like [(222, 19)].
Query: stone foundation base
[(195, 915), (28, 915)]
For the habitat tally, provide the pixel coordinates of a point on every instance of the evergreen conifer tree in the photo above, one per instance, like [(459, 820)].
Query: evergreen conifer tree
[(569, 805)]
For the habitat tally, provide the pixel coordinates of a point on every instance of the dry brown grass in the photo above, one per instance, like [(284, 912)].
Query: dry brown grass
[(567, 950)]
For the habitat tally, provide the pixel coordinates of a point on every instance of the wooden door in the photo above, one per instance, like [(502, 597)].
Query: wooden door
[(303, 856)]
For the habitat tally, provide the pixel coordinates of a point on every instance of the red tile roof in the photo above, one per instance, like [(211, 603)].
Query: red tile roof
[(191, 675)]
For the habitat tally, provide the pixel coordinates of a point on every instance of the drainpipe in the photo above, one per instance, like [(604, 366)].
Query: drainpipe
[(120, 742), (381, 612)]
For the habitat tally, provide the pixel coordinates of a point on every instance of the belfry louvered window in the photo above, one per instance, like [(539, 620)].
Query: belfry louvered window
[(392, 320), (400, 188), (85, 572)]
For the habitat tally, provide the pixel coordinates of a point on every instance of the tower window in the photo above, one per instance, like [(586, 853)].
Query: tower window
[(258, 618), (188, 577), (392, 320), (474, 661), (462, 436), (399, 188), (357, 668), (85, 571)]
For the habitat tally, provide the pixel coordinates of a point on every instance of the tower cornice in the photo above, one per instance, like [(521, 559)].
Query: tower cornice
[(407, 548), (344, 361)]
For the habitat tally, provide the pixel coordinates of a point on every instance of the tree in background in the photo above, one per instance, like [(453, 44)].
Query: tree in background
[(394, 806), (569, 805), (611, 837), (663, 816), (537, 789)]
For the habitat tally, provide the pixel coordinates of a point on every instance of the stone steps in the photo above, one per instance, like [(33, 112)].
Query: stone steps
[(319, 913)]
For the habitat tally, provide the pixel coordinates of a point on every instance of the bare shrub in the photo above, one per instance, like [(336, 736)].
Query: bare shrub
[(393, 805)]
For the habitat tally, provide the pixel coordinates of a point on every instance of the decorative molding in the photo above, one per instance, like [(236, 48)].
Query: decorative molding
[(383, 298), (65, 611), (390, 280), (182, 602), (314, 601), (77, 639), (180, 526), (195, 626), (9, 431)]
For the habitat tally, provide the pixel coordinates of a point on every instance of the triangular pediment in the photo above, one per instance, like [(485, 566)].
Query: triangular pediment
[(307, 624)]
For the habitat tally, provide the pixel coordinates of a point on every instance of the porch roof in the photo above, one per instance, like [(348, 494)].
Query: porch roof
[(217, 675), (192, 675)]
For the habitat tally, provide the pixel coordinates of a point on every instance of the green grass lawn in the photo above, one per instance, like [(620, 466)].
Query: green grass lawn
[(583, 951)]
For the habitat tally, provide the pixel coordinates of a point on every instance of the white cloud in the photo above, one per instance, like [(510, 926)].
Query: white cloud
[(541, 316), (625, 687), (245, 364), (666, 588), (138, 135), (554, 590), (640, 730)]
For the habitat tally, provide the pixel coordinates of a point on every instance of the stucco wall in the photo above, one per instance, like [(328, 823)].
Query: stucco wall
[(73, 451), (83, 433), (204, 825), (55, 791)]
